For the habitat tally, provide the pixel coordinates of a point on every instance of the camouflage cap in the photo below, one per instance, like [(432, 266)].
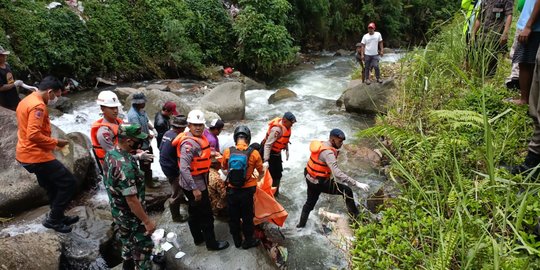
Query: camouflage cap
[(131, 131)]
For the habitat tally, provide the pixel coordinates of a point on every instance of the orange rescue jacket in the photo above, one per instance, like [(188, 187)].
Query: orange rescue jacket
[(282, 142), (35, 144), (100, 153), (315, 167), (200, 164)]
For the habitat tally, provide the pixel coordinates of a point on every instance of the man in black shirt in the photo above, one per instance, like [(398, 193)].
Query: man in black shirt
[(9, 98), (162, 119)]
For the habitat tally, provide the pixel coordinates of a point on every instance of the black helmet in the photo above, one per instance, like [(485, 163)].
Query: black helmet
[(242, 131)]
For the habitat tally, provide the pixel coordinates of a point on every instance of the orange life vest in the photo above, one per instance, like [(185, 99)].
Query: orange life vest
[(281, 142), (100, 152), (200, 164), (315, 167)]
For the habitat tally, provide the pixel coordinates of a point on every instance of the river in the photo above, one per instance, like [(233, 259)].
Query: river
[(317, 85)]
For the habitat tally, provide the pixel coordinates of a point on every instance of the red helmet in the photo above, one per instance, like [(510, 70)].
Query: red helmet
[(371, 25)]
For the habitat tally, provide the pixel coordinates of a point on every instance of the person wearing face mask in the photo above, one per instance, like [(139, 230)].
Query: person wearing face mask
[(194, 160), (137, 115), (320, 172), (124, 183), (35, 148)]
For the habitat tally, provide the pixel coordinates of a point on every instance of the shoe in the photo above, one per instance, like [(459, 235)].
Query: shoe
[(531, 161), (303, 218), (218, 245), (251, 243), (368, 81), (198, 242), (379, 81), (237, 240), (56, 225), (68, 220), (513, 84)]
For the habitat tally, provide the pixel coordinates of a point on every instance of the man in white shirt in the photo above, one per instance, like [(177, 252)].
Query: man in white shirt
[(372, 50)]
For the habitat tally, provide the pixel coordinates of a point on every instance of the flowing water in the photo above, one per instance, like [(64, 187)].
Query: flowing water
[(317, 85)]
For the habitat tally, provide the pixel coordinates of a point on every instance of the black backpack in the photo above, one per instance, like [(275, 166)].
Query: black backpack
[(238, 164)]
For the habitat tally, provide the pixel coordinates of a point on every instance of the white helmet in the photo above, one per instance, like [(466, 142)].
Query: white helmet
[(108, 99), (196, 117)]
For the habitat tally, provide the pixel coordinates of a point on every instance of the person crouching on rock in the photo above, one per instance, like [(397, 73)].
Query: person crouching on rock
[(194, 159), (240, 161), (322, 164), (34, 152), (124, 183)]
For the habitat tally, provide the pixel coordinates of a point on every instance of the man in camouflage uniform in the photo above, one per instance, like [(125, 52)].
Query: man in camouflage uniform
[(124, 183)]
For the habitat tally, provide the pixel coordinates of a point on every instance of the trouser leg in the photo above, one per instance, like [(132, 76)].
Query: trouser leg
[(534, 107), (194, 217), (136, 246), (275, 165), (201, 220), (234, 208), (247, 212), (375, 64), (313, 193), (367, 70), (333, 187)]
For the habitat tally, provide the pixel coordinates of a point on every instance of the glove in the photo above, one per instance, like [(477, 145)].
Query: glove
[(145, 156), (18, 83), (222, 175), (362, 186), (265, 166), (286, 154)]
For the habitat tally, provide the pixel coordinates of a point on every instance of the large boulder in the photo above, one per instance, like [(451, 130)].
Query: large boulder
[(252, 84), (19, 189), (31, 251), (155, 100), (363, 98), (228, 100), (281, 94)]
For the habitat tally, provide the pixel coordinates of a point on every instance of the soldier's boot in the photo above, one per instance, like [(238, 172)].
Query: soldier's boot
[(303, 217)]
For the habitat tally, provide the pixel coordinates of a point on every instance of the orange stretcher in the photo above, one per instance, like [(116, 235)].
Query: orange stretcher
[(267, 209)]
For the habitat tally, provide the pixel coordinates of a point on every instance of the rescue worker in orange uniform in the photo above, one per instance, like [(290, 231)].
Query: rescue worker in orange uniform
[(194, 159), (35, 148), (320, 172), (277, 139), (240, 192)]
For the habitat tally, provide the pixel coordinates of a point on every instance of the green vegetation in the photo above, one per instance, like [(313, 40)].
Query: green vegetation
[(451, 135), (131, 40)]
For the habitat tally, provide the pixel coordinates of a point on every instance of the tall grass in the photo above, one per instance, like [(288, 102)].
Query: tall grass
[(451, 135)]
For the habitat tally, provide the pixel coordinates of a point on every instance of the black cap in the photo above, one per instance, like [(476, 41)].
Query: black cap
[(179, 121), (336, 132), (290, 116), (217, 124)]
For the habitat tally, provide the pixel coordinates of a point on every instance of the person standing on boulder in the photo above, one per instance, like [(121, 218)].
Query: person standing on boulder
[(194, 159), (241, 161), (277, 139), (9, 97), (169, 165), (162, 119), (34, 152), (125, 187), (372, 51), (321, 166), (137, 115)]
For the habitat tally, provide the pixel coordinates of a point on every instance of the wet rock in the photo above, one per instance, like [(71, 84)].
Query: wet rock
[(91, 235), (155, 86), (155, 197), (252, 84), (364, 153), (63, 104), (31, 251), (354, 83), (375, 200), (19, 189), (364, 98), (124, 92), (198, 257), (155, 101), (173, 86), (342, 52), (236, 74), (281, 94), (227, 100)]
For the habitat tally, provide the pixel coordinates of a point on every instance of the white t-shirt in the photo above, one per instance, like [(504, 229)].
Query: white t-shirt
[(371, 43)]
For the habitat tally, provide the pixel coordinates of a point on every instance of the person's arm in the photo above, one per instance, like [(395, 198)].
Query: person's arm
[(258, 164), (504, 36), (479, 18), (363, 48), (186, 156), (105, 138), (328, 157), (6, 87), (34, 130), (381, 47), (136, 208), (275, 134), (526, 32)]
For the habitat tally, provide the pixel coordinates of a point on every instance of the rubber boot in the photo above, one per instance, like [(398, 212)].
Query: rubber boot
[(303, 218), (237, 238), (175, 212), (56, 224), (249, 243), (531, 161), (149, 181)]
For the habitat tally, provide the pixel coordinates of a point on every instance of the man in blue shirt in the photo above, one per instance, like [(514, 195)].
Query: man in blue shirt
[(169, 165), (137, 115)]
